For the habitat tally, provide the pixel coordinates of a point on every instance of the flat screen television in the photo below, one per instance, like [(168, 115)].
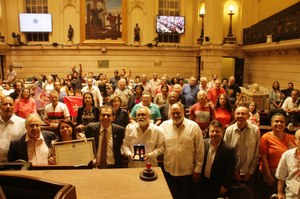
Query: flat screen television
[(35, 22), (170, 24)]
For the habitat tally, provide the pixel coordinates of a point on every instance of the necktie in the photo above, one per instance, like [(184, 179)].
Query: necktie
[(103, 150)]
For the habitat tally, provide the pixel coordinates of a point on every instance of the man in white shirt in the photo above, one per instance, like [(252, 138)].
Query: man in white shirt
[(184, 152), (34, 145), (291, 106), (244, 138), (288, 174), (95, 92), (11, 126), (146, 134), (11, 74)]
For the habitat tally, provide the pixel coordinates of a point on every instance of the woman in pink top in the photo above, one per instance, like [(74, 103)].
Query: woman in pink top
[(272, 145), (24, 105), (223, 110)]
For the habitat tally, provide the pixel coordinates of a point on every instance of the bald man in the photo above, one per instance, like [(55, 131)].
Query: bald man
[(244, 138)]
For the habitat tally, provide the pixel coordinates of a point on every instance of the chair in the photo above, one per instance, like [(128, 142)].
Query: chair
[(27, 187)]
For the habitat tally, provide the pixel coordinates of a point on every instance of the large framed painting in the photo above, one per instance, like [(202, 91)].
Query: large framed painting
[(103, 21)]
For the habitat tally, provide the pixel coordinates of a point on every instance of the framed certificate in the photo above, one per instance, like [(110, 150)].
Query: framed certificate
[(74, 152)]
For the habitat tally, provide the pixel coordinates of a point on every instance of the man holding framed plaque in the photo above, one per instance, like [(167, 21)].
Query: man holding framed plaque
[(143, 140), (108, 139)]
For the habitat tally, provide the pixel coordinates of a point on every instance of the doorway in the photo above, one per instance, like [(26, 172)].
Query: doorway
[(2, 67), (233, 66)]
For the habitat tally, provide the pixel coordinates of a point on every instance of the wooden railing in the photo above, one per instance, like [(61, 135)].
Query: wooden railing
[(284, 25)]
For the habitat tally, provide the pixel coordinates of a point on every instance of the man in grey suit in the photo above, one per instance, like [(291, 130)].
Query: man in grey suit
[(108, 139), (34, 145)]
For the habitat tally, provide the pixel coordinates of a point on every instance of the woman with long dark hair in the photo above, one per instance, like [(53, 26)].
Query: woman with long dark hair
[(276, 97), (136, 97), (121, 115), (87, 113), (223, 110)]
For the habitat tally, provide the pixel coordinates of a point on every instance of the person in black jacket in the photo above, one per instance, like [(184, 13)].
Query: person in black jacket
[(218, 166), (110, 147), (34, 145)]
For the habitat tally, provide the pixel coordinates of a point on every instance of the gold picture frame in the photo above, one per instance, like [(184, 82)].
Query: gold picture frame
[(103, 21)]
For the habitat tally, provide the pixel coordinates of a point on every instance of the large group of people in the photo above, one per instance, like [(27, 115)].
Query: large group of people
[(210, 147)]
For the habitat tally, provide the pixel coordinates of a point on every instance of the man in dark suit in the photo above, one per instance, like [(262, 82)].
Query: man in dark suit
[(108, 150), (34, 145), (218, 166)]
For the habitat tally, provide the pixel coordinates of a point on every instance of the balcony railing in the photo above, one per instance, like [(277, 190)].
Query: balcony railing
[(284, 25)]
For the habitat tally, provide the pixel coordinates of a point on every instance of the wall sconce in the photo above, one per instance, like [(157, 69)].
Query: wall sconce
[(230, 39), (201, 15)]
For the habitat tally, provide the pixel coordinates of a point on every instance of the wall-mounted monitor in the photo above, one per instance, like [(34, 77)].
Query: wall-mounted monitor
[(170, 24), (35, 22)]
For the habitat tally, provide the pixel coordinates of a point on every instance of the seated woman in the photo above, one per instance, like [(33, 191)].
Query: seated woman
[(223, 110), (202, 112), (49, 84), (121, 115), (272, 145), (87, 113), (65, 132), (161, 98), (69, 88), (254, 116), (276, 97), (25, 104), (136, 98)]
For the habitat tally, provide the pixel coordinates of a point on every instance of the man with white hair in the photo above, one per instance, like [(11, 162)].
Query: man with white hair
[(124, 93), (143, 133), (34, 145), (203, 86)]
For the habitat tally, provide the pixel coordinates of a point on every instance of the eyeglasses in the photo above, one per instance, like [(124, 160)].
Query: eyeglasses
[(34, 125), (176, 113), (107, 115)]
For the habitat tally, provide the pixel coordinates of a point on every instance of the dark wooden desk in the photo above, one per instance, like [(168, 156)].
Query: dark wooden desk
[(107, 183)]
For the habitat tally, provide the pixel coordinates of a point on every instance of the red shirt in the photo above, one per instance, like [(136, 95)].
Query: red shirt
[(223, 116), (202, 115), (213, 94)]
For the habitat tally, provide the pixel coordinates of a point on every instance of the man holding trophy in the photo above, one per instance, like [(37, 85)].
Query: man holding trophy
[(143, 140)]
